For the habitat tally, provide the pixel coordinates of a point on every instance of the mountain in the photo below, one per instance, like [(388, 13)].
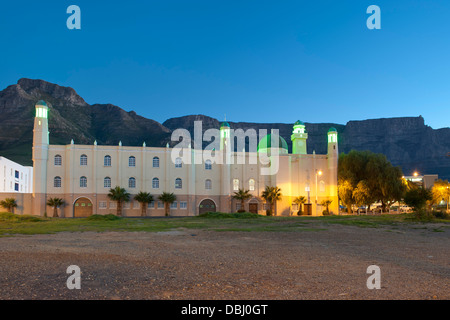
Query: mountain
[(406, 141)]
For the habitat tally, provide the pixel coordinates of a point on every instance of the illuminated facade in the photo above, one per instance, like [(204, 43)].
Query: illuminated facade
[(83, 175)]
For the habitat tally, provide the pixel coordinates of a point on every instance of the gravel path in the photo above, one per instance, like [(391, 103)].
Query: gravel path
[(199, 264)]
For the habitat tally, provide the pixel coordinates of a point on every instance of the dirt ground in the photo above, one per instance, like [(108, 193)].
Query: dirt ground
[(210, 265)]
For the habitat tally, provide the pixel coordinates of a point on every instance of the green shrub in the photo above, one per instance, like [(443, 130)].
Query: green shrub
[(440, 214), (222, 215), (106, 217), (325, 212), (268, 212), (7, 216), (423, 215)]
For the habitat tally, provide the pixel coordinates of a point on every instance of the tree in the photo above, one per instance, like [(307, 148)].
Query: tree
[(299, 201), (381, 180), (242, 195), (417, 198), (363, 195), (326, 204), (55, 203), (168, 199), (120, 195), (345, 192), (440, 191), (144, 198), (9, 204), (271, 195)]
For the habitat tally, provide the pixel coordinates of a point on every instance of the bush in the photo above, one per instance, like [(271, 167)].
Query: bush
[(222, 215), (423, 215), (268, 212), (325, 213), (7, 216), (441, 214), (106, 217), (299, 212)]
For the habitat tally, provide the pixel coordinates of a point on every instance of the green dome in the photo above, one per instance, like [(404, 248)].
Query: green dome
[(299, 123), (41, 103), (266, 143), (225, 124), (332, 129)]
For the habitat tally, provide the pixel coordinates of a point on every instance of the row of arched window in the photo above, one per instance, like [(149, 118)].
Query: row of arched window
[(131, 161), (57, 183)]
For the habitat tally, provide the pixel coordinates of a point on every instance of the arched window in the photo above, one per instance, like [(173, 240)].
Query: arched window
[(235, 184), (208, 184), (58, 160), (57, 182), (208, 165), (132, 161), (83, 160), (178, 163), (178, 183), (107, 182), (132, 183), (155, 162), (107, 161), (251, 184), (83, 182), (155, 183)]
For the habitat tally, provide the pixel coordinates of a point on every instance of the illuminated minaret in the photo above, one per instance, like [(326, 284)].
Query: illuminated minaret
[(333, 156), (40, 157), (299, 137), (225, 154)]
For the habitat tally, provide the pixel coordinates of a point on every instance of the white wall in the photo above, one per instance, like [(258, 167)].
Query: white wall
[(15, 178)]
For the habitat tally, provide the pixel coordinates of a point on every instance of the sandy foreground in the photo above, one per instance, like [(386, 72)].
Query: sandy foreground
[(329, 263)]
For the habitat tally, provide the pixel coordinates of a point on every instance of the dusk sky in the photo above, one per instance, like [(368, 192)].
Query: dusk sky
[(255, 61)]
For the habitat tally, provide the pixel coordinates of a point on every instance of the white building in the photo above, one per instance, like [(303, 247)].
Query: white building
[(15, 178)]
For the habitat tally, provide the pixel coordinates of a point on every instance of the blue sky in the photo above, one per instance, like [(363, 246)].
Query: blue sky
[(255, 61)]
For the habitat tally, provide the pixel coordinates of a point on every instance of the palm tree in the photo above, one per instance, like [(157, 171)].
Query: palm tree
[(271, 195), (144, 198), (242, 195), (326, 203), (9, 204), (120, 195), (168, 199), (55, 203), (300, 201)]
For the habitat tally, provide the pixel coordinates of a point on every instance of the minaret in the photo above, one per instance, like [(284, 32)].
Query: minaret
[(40, 158), (333, 155), (225, 155), (299, 137)]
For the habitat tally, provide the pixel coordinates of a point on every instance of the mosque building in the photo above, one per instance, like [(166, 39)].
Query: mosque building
[(82, 175)]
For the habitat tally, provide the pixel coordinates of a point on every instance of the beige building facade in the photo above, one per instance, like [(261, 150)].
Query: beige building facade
[(83, 175)]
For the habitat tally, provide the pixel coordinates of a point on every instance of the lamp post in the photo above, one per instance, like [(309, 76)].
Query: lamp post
[(318, 173)]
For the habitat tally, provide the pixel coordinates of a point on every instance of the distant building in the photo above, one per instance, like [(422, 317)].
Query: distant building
[(15, 178), (426, 181)]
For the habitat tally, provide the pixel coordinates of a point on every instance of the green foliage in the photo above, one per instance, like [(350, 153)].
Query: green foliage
[(55, 203), (242, 195), (9, 204), (11, 217), (144, 198), (106, 217), (422, 215), (365, 177), (440, 214), (326, 204), (417, 198), (221, 215), (271, 195), (168, 198), (120, 195)]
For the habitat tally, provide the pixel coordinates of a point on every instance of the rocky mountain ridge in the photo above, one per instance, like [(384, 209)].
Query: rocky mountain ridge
[(406, 141)]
